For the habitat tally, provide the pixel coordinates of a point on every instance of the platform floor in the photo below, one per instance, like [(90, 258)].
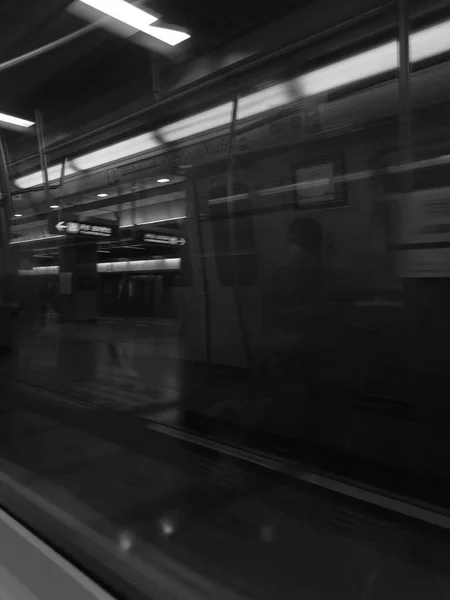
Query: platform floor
[(128, 366), (256, 531)]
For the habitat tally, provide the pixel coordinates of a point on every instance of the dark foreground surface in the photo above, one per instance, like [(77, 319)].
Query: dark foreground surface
[(77, 432)]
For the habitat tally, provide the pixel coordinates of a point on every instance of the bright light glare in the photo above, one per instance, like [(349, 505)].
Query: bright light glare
[(15, 120), (429, 42), (199, 123), (54, 205), (153, 264), (18, 215), (262, 101), (163, 180), (135, 145), (364, 65), (169, 36), (125, 12), (167, 526), (424, 44), (139, 19), (34, 179), (103, 195)]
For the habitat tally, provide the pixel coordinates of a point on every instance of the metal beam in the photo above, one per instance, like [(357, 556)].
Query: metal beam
[(405, 140)]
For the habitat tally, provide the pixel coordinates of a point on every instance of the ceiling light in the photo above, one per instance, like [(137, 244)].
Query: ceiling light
[(198, 123), (138, 19), (125, 12), (356, 68), (102, 195), (33, 179), (15, 120), (163, 180), (54, 205), (429, 42), (169, 36), (18, 215), (134, 145)]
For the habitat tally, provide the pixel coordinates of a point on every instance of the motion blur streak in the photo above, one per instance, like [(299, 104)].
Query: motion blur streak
[(157, 264), (430, 42), (125, 12), (4, 118)]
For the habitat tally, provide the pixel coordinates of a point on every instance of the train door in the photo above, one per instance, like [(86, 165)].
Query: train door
[(220, 312)]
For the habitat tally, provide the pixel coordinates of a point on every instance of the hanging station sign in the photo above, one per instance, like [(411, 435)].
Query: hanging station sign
[(86, 229), (149, 237)]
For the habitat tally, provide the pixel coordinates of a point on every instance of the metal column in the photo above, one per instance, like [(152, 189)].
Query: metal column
[(405, 130), (43, 158), (6, 214), (232, 217)]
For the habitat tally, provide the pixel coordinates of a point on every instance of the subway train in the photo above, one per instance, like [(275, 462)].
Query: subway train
[(313, 289), (314, 297)]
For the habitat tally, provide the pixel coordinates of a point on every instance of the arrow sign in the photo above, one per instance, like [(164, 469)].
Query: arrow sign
[(160, 238), (61, 226)]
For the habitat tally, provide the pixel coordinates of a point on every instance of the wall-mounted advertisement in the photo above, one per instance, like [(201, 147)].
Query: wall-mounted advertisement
[(319, 185)]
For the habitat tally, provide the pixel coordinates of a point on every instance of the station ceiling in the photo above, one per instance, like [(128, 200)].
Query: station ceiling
[(99, 68)]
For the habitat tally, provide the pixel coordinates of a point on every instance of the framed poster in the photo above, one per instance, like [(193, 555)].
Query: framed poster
[(319, 184)]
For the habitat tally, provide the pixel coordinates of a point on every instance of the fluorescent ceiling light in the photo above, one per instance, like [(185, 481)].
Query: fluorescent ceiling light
[(54, 205), (153, 264), (138, 19), (262, 101), (248, 106), (15, 120), (424, 44), (18, 215), (163, 180), (169, 36), (125, 12), (35, 179), (103, 195), (199, 123), (135, 145), (429, 42), (367, 64)]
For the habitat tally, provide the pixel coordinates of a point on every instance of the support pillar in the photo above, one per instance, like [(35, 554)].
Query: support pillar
[(78, 281)]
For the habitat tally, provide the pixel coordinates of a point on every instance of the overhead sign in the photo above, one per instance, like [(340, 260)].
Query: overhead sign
[(160, 238), (87, 229)]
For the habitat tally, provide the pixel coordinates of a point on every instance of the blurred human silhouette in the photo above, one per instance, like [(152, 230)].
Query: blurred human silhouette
[(296, 288), (291, 352)]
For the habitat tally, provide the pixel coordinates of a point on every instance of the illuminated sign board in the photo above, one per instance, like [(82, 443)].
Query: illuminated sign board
[(82, 228), (160, 238), (154, 264)]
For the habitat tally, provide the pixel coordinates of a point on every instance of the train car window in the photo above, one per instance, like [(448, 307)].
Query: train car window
[(432, 177), (234, 251)]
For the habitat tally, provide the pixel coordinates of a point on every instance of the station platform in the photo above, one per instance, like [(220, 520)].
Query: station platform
[(248, 531), (124, 365), (131, 370), (89, 424)]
